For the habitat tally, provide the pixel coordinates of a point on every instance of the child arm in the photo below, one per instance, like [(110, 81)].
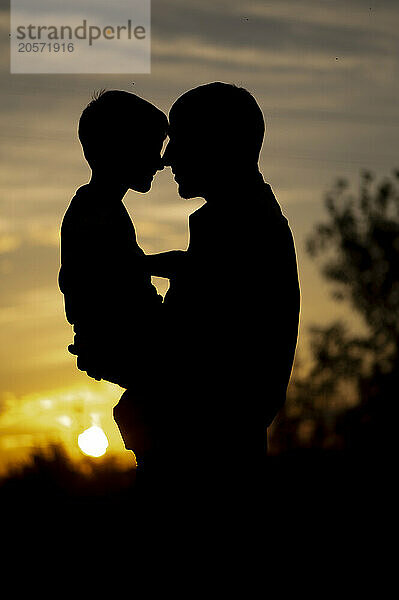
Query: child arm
[(165, 264)]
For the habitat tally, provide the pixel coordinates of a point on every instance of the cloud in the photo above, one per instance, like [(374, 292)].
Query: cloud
[(352, 16), (8, 243), (189, 49), (280, 25), (36, 305)]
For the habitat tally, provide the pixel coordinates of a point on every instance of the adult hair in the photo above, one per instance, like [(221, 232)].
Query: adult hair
[(226, 110)]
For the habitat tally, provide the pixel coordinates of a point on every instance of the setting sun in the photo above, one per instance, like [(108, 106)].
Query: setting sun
[(93, 441)]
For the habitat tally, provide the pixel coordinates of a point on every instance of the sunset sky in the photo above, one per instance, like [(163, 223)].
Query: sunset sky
[(325, 73)]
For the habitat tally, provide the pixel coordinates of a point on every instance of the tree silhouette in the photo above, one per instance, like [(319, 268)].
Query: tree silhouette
[(357, 248), (363, 233)]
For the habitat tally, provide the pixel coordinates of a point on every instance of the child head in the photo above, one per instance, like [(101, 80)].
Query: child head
[(122, 137), (216, 131)]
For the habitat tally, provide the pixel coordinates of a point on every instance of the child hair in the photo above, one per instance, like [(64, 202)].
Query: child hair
[(115, 115)]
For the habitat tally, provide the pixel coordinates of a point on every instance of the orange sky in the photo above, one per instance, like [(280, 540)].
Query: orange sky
[(325, 75)]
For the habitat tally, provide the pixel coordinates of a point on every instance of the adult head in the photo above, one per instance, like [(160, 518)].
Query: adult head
[(216, 132)]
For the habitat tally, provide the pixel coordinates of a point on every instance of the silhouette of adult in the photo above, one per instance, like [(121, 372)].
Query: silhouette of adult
[(233, 302)]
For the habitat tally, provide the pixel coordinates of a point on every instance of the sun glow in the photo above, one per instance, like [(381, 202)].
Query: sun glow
[(93, 441)]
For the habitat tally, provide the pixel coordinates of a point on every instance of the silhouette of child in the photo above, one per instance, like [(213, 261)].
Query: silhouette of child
[(109, 298)]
